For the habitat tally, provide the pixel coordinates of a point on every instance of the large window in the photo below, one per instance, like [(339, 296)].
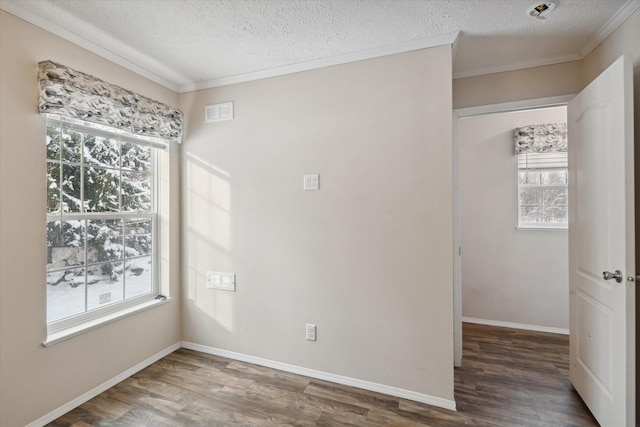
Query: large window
[(101, 221), (542, 190)]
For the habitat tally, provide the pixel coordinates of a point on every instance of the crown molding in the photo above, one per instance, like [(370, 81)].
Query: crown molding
[(609, 27), (21, 10), (430, 42)]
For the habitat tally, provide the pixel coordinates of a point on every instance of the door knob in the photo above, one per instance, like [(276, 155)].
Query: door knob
[(607, 275)]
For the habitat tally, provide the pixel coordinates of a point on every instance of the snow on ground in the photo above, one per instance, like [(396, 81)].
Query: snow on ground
[(63, 300)]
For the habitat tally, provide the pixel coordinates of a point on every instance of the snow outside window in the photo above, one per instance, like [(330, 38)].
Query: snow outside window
[(101, 221), (542, 190)]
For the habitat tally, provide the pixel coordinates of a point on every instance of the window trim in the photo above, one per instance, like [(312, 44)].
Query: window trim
[(62, 329), (104, 131), (55, 337), (543, 228)]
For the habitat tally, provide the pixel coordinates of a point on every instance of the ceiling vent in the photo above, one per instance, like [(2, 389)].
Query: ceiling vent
[(218, 112)]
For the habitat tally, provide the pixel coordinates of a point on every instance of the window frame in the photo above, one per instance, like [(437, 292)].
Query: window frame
[(90, 317)]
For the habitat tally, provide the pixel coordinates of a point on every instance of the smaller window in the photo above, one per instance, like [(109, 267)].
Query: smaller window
[(542, 190)]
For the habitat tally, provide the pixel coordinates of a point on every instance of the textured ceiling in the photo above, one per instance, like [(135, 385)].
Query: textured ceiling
[(189, 44)]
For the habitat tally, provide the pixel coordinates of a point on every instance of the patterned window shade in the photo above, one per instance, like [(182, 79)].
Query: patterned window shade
[(75, 94), (546, 138)]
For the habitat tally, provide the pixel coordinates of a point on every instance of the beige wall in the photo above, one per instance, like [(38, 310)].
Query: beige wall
[(35, 380), (368, 257), (509, 86), (508, 275)]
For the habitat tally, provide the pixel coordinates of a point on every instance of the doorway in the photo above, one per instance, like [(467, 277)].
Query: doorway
[(507, 261)]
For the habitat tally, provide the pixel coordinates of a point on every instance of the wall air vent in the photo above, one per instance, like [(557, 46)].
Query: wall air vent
[(218, 112)]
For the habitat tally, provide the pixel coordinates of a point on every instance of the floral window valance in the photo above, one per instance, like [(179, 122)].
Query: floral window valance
[(75, 94), (545, 138)]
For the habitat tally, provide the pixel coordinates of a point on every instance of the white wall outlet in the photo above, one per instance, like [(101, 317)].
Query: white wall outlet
[(224, 281), (310, 332), (311, 182)]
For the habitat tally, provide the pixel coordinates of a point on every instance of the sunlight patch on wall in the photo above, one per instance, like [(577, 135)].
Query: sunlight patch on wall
[(208, 203), (208, 237)]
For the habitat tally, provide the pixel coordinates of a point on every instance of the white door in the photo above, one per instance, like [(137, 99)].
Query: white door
[(601, 239)]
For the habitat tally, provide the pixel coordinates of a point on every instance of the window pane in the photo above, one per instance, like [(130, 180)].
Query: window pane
[(101, 151), (138, 277), (557, 177), (53, 187), (522, 177), (104, 240), (555, 197), (65, 244), (529, 214), (71, 188), (104, 284), (71, 145), (65, 293), (138, 237), (101, 189), (136, 192), (555, 214), (529, 177), (53, 143), (136, 157), (530, 196)]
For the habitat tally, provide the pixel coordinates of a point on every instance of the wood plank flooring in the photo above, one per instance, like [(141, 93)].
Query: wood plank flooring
[(508, 377)]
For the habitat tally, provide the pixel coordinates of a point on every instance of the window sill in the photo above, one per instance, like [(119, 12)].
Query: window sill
[(90, 325), (542, 228)]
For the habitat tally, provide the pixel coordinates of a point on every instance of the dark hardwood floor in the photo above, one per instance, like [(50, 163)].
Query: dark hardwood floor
[(508, 377)]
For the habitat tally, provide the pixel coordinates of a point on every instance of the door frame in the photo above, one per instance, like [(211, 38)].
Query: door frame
[(460, 113)]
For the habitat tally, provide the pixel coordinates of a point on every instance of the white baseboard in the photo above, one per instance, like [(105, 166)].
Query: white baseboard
[(51, 416), (536, 328), (353, 382)]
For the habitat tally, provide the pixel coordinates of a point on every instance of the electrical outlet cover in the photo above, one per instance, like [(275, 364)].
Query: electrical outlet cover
[(310, 332), (220, 280)]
